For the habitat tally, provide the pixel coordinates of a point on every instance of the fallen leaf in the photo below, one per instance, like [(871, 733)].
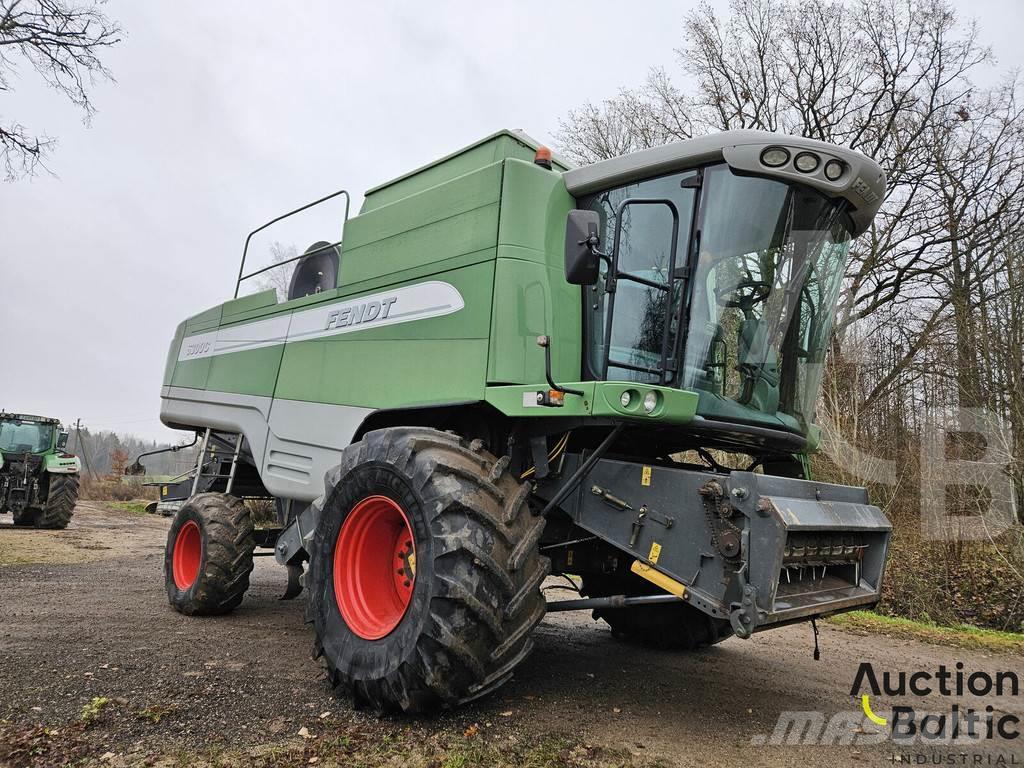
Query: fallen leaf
[(616, 710), (507, 714), (470, 732), (107, 756), (324, 715), (304, 732)]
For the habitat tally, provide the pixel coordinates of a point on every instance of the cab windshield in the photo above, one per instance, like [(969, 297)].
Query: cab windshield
[(747, 320), (25, 436)]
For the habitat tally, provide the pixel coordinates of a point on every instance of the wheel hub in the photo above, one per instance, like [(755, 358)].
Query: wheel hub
[(374, 567), (188, 551)]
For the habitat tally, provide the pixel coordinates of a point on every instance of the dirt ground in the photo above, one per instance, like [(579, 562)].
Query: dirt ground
[(95, 667)]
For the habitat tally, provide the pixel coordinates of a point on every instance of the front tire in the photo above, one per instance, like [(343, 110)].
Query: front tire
[(454, 625), (61, 496), (208, 557)]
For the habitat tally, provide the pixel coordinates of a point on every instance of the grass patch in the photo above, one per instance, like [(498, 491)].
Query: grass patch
[(961, 636), (385, 746), (133, 507)]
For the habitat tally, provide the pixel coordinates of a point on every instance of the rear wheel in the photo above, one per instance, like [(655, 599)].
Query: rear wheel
[(424, 573), (208, 557), (61, 496), (677, 626)]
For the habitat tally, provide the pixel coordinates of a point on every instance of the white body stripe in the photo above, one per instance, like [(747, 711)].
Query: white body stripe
[(400, 305)]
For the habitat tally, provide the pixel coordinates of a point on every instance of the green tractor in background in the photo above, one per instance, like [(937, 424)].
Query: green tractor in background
[(38, 478), (512, 368)]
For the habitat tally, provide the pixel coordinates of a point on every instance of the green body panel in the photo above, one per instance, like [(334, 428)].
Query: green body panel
[(520, 400), (59, 465), (440, 359), (532, 297), (457, 218), (172, 355), (246, 373), (600, 399), (493, 148)]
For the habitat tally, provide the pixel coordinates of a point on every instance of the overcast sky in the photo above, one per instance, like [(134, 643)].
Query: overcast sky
[(225, 114)]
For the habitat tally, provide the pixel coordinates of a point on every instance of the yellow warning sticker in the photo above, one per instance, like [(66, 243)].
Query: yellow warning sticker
[(655, 552), (163, 490), (645, 476), (568, 557)]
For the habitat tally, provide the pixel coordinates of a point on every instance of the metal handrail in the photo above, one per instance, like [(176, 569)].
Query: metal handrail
[(245, 251)]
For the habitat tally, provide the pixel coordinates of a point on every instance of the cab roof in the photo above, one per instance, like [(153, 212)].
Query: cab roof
[(4, 416), (862, 182)]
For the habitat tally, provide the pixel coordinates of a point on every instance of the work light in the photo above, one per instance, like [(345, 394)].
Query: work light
[(773, 157), (806, 162), (834, 169), (650, 401)]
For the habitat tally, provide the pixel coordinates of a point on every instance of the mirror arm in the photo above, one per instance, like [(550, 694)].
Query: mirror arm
[(592, 243), (545, 342)]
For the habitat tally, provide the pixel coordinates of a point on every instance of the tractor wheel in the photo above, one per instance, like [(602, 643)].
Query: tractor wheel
[(62, 493), (208, 557), (667, 626), (424, 571)]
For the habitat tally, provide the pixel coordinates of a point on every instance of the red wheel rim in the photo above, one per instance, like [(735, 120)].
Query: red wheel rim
[(374, 567), (188, 551)]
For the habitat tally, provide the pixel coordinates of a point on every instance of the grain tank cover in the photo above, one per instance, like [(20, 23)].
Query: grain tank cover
[(498, 146)]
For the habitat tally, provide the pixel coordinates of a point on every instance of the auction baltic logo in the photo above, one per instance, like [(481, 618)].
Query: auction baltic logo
[(906, 725)]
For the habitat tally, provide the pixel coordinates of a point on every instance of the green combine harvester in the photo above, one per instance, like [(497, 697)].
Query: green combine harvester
[(511, 369), (38, 478)]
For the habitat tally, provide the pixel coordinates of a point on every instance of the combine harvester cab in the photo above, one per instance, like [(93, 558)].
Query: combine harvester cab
[(508, 368)]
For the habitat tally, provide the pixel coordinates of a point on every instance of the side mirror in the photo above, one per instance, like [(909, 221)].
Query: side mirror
[(62, 439), (135, 469), (581, 241)]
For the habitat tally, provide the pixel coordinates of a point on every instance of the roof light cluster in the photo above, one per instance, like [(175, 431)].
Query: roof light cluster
[(804, 162)]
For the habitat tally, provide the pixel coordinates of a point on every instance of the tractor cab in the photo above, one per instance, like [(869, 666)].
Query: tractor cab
[(21, 434)]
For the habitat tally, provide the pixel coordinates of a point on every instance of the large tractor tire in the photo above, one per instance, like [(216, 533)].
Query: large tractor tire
[(425, 573), (667, 626), (208, 557), (62, 493), (55, 512)]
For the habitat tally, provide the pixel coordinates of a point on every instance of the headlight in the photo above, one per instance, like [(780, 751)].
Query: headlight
[(650, 401), (773, 157), (806, 162), (834, 169), (626, 399)]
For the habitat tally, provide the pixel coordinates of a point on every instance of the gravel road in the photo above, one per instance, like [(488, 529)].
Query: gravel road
[(83, 615)]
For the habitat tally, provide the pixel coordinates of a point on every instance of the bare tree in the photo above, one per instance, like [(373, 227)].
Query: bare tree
[(62, 41), (875, 75), (890, 78), (278, 278)]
